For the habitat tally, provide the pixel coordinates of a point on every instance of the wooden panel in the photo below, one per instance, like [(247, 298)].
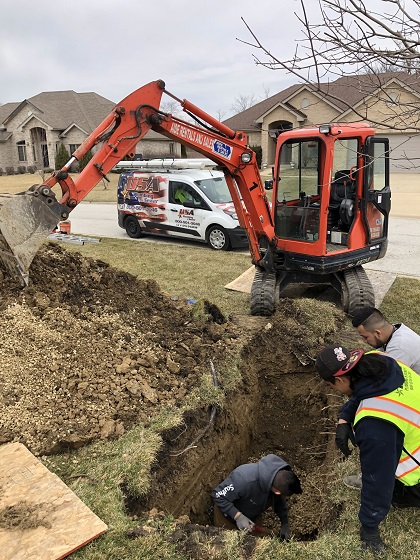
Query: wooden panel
[(244, 282), (40, 517)]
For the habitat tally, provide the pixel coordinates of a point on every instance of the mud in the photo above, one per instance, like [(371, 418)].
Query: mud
[(279, 407), (87, 351)]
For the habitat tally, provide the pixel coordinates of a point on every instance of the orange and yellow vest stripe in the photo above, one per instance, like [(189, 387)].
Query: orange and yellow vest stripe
[(402, 408)]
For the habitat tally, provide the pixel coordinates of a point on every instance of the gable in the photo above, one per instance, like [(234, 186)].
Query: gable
[(70, 128), (395, 104), (20, 108)]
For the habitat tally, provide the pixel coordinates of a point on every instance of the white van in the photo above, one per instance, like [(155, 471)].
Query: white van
[(185, 203)]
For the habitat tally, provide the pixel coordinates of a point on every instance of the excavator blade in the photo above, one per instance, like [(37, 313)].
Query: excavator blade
[(26, 220)]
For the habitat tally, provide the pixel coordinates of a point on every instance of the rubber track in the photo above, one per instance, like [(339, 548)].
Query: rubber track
[(263, 293), (360, 290)]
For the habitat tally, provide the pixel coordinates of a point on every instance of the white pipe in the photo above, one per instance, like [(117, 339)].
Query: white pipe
[(192, 163)]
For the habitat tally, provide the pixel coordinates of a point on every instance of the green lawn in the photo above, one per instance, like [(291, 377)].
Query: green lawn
[(191, 272)]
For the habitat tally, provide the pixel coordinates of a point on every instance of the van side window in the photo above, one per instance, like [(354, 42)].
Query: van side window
[(180, 192)]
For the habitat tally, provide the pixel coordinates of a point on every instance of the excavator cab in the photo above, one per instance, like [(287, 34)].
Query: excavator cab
[(330, 203)]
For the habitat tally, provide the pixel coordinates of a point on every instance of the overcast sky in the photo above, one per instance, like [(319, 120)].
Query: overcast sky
[(113, 47)]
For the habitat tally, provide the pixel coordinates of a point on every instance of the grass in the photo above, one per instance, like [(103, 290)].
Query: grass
[(181, 271), (96, 472), (187, 272), (103, 192)]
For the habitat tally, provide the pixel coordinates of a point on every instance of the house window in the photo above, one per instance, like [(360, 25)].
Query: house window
[(21, 147), (393, 97), (171, 148), (73, 148), (304, 103)]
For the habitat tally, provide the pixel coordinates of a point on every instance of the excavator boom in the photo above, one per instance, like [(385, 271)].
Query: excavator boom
[(27, 219)]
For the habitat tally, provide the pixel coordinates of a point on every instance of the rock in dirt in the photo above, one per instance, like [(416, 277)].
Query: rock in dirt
[(84, 352)]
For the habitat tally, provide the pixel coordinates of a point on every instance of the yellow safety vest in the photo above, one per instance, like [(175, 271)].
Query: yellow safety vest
[(401, 407)]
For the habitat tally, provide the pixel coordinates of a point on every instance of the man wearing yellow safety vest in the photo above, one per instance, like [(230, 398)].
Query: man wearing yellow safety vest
[(387, 430), (397, 340)]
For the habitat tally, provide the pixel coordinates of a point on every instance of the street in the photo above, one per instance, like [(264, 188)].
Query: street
[(403, 256)]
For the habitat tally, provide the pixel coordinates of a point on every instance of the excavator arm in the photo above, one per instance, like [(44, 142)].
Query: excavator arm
[(27, 219)]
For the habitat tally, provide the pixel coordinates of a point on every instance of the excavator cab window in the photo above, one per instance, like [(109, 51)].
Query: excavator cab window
[(341, 207), (376, 202), (297, 205)]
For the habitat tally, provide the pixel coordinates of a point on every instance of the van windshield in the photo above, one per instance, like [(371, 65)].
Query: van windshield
[(215, 189)]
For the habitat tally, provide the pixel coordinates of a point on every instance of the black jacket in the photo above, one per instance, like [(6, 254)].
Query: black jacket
[(248, 489), (380, 444)]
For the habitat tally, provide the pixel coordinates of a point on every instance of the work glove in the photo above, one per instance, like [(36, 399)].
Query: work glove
[(243, 523), (344, 434), (285, 532), (371, 540)]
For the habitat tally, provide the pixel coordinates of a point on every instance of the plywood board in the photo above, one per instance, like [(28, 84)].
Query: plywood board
[(40, 517), (381, 282), (244, 282)]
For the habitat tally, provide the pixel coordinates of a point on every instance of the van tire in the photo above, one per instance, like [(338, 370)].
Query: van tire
[(132, 227), (218, 238)]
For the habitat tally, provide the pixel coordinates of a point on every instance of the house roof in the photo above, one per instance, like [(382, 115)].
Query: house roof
[(61, 110), (7, 109), (352, 89), (246, 120)]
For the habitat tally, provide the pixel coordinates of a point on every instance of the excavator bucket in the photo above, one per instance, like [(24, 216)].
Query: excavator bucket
[(26, 220)]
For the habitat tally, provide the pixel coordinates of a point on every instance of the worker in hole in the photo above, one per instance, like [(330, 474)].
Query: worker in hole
[(251, 489), (397, 340), (387, 431)]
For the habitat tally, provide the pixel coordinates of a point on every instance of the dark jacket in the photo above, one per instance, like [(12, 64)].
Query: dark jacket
[(350, 407), (248, 489), (380, 444)]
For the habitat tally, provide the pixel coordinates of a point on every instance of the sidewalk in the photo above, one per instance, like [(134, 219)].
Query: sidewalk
[(403, 254)]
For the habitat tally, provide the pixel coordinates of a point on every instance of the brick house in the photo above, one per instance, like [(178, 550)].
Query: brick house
[(32, 130), (391, 97)]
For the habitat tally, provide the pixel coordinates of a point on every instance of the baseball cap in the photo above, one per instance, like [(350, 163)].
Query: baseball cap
[(336, 360)]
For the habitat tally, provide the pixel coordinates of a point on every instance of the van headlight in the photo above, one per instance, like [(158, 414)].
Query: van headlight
[(231, 212)]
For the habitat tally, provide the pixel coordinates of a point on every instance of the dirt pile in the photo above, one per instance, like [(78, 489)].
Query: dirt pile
[(279, 406), (87, 350)]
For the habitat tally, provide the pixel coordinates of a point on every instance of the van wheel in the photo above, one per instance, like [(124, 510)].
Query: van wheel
[(217, 238), (132, 227)]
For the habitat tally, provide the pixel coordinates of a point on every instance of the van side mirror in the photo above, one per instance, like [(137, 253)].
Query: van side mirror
[(268, 184)]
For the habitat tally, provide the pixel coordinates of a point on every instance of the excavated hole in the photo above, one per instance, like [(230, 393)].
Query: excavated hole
[(282, 411)]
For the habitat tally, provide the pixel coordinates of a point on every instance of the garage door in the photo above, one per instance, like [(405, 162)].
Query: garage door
[(405, 153)]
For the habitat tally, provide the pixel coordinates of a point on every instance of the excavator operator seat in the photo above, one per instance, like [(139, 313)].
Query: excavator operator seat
[(342, 187), (342, 196)]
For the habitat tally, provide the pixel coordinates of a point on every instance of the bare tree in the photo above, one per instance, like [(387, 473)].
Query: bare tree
[(171, 107), (349, 40), (266, 89), (220, 113), (243, 102)]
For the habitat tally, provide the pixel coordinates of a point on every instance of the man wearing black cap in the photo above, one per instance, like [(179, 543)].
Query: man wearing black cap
[(250, 490), (387, 430)]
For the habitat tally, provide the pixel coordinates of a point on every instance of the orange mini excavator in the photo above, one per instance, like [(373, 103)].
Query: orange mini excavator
[(328, 214)]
